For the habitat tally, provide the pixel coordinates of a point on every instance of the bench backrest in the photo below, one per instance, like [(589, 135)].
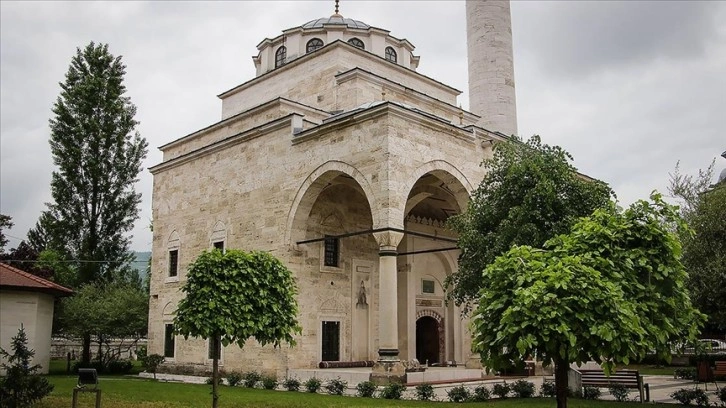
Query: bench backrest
[(625, 377), (87, 376)]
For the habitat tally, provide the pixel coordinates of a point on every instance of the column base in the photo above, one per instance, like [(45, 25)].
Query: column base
[(474, 361), (386, 372)]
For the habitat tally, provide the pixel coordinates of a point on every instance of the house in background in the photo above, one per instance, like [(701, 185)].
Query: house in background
[(28, 300)]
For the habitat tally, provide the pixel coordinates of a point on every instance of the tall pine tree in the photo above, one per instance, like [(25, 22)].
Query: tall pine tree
[(98, 154)]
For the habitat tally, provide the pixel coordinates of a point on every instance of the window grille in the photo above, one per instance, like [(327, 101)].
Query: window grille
[(173, 262), (280, 56), (391, 55), (332, 245), (314, 44), (357, 43)]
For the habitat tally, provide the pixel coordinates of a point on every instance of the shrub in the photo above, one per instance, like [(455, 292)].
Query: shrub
[(291, 384), (458, 394), (269, 383), (523, 389), (119, 367), (685, 396), (721, 394), (234, 378), (501, 390), (548, 389), (591, 393), (366, 389), (22, 386), (251, 378), (481, 394), (688, 373), (152, 362), (336, 386), (393, 391), (312, 385), (619, 392), (209, 381), (425, 392)]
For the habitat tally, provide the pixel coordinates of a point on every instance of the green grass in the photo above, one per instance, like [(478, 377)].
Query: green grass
[(58, 367), (126, 392)]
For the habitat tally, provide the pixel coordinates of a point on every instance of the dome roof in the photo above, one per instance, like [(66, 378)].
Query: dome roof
[(722, 177), (336, 19)]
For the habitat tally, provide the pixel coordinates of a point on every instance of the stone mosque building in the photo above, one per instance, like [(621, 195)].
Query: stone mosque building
[(344, 162)]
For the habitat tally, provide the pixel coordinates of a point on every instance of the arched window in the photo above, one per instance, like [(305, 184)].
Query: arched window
[(280, 56), (313, 45), (391, 55), (357, 43)]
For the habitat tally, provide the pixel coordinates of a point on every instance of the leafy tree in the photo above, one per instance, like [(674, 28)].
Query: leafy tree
[(610, 291), (105, 312), (234, 296), (43, 236), (21, 386), (704, 251), (25, 257), (152, 362), (531, 192), (98, 155), (5, 223)]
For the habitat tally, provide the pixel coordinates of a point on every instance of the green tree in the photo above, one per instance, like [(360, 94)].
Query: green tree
[(106, 312), (97, 153), (21, 386), (234, 296), (704, 251), (5, 223), (609, 291), (531, 192)]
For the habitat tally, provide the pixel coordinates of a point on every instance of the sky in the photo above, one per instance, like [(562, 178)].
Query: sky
[(628, 88)]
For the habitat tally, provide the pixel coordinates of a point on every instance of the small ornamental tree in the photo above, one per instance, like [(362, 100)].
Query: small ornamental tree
[(234, 296), (21, 386), (610, 291), (530, 193)]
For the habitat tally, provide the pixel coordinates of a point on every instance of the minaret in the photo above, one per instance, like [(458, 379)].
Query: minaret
[(491, 64)]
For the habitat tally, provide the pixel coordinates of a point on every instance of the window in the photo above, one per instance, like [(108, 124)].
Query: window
[(357, 43), (331, 251), (169, 340), (427, 286), (331, 341), (314, 44), (173, 262), (210, 350), (219, 245), (391, 55), (280, 56)]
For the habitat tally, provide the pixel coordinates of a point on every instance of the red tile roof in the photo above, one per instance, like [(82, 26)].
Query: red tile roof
[(14, 278)]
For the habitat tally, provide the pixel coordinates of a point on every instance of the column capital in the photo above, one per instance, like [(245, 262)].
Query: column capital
[(388, 240)]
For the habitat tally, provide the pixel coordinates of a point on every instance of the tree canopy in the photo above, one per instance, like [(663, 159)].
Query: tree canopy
[(610, 290), (234, 296), (704, 250), (531, 192), (5, 223), (97, 153)]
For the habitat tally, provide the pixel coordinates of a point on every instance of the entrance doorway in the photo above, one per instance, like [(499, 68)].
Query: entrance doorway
[(331, 341), (427, 340)]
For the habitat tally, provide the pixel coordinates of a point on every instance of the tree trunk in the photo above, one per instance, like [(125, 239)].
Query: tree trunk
[(215, 370), (86, 352), (561, 371)]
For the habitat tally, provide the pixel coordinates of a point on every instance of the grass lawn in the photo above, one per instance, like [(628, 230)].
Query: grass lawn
[(126, 392), (59, 366)]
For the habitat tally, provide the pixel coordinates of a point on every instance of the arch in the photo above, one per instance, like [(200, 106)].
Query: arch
[(357, 42), (313, 44), (391, 55), (173, 241), (311, 188), (453, 178), (219, 233), (280, 56), (429, 313), (168, 310)]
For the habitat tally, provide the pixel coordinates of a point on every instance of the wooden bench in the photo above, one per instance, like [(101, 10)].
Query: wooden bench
[(87, 382), (720, 369), (627, 378)]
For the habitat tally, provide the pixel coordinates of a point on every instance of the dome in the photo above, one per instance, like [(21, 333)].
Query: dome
[(722, 177), (336, 19)]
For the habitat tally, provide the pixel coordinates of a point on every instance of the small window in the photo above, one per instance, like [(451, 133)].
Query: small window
[(331, 251), (391, 55), (169, 340), (219, 245), (280, 56), (314, 44), (210, 350), (173, 262), (427, 286), (357, 43)]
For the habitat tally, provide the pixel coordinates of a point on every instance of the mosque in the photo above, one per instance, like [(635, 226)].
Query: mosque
[(344, 162)]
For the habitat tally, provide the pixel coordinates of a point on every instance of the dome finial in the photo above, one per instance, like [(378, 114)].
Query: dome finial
[(337, 9)]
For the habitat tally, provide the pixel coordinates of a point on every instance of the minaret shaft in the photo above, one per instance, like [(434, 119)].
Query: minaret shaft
[(491, 64)]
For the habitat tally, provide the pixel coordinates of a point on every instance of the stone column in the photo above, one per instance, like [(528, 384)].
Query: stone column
[(388, 368)]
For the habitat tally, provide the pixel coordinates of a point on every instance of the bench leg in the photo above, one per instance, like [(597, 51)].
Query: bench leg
[(98, 398), (75, 398)]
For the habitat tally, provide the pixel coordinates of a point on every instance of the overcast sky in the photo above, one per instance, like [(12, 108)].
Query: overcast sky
[(628, 88)]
